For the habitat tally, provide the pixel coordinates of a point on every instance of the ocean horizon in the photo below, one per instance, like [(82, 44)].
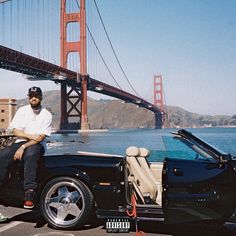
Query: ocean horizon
[(115, 141)]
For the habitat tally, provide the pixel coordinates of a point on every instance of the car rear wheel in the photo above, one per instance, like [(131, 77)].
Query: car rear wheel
[(66, 203)]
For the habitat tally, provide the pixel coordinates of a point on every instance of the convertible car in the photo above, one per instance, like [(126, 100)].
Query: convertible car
[(195, 182)]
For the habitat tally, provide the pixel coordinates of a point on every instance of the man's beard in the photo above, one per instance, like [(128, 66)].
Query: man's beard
[(36, 107)]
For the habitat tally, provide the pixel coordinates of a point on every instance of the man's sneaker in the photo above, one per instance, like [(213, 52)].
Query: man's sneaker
[(3, 218), (29, 199)]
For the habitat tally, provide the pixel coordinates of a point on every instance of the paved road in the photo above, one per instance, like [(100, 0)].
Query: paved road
[(29, 223), (24, 222)]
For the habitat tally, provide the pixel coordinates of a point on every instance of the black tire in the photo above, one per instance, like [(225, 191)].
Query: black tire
[(66, 203)]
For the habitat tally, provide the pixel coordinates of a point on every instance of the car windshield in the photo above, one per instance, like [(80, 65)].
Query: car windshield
[(180, 148)]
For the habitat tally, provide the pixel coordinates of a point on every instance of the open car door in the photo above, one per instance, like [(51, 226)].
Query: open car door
[(196, 185)]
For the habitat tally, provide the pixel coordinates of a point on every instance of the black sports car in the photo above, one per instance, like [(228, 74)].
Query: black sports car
[(195, 182)]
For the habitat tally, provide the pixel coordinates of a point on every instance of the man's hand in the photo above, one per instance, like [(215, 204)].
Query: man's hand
[(35, 137), (19, 153)]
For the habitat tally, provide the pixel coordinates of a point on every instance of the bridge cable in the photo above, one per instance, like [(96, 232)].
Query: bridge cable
[(11, 23), (37, 26), (3, 23), (48, 31), (99, 52), (23, 14), (53, 32), (104, 27), (43, 30), (166, 108), (148, 92)]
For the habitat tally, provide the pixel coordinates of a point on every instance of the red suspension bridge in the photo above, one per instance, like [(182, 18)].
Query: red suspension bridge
[(74, 82)]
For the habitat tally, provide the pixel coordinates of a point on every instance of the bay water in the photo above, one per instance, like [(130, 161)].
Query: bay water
[(116, 141)]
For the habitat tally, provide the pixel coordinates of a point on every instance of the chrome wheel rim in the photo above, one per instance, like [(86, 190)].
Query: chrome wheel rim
[(64, 203)]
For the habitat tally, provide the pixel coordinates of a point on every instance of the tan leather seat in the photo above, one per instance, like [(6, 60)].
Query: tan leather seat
[(142, 159), (143, 184)]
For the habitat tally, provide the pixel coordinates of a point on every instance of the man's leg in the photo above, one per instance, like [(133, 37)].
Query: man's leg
[(31, 157), (6, 158)]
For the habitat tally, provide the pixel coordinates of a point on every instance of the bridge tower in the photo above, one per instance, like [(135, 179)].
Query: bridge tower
[(158, 100), (73, 98)]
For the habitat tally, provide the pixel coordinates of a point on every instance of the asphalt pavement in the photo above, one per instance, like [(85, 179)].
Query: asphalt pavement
[(24, 222)]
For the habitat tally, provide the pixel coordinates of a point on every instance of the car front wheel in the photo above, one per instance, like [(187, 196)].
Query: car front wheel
[(66, 203)]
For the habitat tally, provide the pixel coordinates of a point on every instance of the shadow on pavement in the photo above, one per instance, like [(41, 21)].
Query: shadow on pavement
[(188, 229), (32, 217), (228, 229)]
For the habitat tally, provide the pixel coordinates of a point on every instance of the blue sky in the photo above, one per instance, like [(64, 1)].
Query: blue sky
[(192, 43)]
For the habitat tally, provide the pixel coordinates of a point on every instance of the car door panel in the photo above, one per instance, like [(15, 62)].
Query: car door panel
[(196, 190)]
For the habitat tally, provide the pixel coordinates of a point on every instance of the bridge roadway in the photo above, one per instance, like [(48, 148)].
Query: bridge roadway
[(39, 69)]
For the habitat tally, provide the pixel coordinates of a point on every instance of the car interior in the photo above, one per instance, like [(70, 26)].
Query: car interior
[(145, 177)]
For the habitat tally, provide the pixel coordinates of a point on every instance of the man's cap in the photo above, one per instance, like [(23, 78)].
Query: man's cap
[(35, 90)]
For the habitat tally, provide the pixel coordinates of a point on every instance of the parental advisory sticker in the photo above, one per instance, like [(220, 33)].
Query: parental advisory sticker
[(117, 225)]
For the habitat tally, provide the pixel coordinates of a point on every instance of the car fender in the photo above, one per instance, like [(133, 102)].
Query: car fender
[(64, 171)]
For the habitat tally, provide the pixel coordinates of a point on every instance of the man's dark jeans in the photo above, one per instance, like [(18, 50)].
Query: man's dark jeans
[(30, 159)]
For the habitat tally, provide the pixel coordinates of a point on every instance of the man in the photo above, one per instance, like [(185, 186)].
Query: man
[(31, 125)]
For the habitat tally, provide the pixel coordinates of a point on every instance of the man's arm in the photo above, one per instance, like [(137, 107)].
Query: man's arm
[(21, 134), (37, 139)]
